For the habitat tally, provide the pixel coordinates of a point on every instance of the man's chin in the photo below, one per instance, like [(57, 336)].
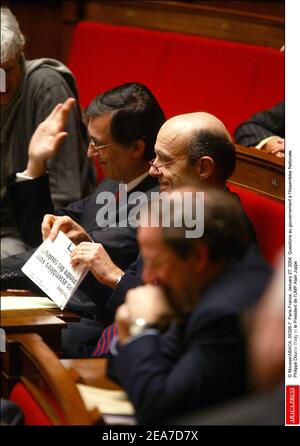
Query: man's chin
[(172, 299), (165, 187)]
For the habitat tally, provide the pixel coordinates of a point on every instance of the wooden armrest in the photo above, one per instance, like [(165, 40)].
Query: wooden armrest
[(259, 171), (260, 155), (91, 371), (51, 377)]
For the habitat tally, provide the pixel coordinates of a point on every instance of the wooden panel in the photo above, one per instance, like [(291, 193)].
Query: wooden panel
[(41, 22), (72, 12), (13, 364), (48, 323), (260, 172), (17, 320), (48, 25), (213, 19)]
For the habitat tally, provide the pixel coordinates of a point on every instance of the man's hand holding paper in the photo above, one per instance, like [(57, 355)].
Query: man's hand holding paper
[(52, 224), (50, 268)]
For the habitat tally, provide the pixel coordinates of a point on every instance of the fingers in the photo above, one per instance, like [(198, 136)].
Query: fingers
[(47, 223), (278, 151), (60, 113), (63, 224), (55, 110), (58, 140), (278, 148), (81, 258), (66, 108), (122, 314), (68, 104), (84, 253)]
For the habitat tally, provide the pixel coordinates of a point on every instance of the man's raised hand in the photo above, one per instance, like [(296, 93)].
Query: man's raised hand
[(47, 138)]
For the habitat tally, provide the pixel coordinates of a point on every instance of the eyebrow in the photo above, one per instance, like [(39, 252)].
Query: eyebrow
[(163, 155), (95, 140)]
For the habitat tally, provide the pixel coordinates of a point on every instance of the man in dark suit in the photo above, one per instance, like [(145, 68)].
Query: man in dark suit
[(264, 130), (122, 124), (202, 285), (265, 365)]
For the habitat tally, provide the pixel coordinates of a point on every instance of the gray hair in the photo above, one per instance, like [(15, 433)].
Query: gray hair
[(12, 40)]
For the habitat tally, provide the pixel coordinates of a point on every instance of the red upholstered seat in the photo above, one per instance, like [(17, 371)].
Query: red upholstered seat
[(186, 72), (267, 216), (33, 413)]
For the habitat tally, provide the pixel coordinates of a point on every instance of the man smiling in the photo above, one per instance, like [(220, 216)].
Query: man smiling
[(123, 124), (194, 147)]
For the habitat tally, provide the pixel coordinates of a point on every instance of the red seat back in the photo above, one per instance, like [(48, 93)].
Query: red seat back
[(185, 72), (267, 216), (33, 413)]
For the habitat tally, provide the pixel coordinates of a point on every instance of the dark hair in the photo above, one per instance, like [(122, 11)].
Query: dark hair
[(225, 229), (136, 114), (217, 145)]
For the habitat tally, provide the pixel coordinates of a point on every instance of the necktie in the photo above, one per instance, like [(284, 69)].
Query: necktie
[(104, 341)]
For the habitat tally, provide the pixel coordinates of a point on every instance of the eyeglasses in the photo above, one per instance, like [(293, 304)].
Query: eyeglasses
[(157, 168), (98, 147)]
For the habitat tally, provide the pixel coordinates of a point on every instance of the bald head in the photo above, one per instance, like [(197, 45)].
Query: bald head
[(205, 143), (182, 128)]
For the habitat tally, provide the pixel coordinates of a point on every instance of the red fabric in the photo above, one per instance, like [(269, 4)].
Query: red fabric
[(33, 414), (99, 172), (186, 72), (267, 216)]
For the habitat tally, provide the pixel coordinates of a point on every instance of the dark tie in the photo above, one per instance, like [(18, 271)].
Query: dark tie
[(105, 340)]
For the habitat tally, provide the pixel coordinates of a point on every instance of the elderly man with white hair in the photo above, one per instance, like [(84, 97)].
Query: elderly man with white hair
[(32, 90)]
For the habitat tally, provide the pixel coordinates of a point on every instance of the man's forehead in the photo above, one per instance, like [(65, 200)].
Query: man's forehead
[(99, 125), (171, 140), (147, 235)]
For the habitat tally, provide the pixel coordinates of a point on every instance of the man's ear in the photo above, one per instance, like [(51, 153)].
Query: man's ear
[(138, 149), (202, 254), (205, 167)]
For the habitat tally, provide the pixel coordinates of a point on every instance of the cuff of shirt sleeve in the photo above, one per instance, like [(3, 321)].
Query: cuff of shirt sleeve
[(20, 176), (263, 142), (114, 345)]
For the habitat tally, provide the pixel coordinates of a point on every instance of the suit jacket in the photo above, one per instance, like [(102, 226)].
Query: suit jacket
[(260, 126), (199, 362), (257, 409)]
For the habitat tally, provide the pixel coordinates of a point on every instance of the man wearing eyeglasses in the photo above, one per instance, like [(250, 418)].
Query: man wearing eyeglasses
[(122, 124)]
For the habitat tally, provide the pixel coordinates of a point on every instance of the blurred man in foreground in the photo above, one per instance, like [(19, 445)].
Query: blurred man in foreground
[(198, 287)]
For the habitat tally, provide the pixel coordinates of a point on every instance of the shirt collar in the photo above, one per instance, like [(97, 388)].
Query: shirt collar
[(132, 184)]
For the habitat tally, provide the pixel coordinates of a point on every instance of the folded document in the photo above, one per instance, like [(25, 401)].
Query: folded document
[(50, 269)]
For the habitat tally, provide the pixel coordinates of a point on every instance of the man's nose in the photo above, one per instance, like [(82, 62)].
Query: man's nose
[(154, 172), (91, 153), (149, 275)]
